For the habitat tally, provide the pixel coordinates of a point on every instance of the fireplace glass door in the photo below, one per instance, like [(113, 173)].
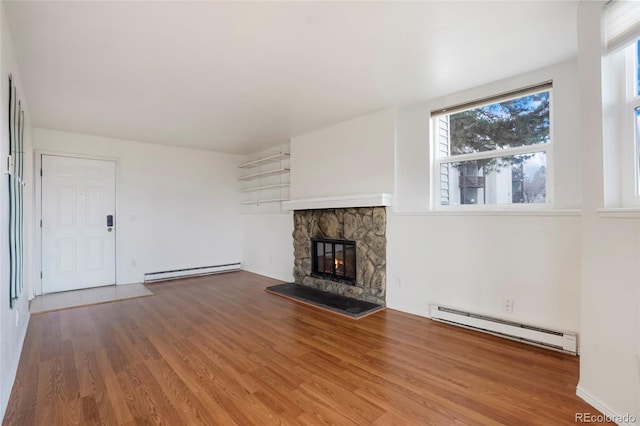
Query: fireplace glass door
[(334, 259)]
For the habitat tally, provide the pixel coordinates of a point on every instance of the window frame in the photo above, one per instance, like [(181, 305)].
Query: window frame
[(620, 131), (629, 121), (547, 148)]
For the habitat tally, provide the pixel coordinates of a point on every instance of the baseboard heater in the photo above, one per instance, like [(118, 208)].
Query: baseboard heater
[(562, 341), (191, 272)]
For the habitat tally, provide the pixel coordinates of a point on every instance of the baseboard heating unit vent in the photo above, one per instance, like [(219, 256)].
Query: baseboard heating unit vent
[(191, 272), (551, 339)]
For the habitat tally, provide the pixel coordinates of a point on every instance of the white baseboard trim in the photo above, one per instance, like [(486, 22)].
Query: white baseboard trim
[(605, 409), (13, 371), (191, 272)]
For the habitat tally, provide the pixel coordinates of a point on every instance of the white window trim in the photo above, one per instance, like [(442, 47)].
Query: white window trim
[(547, 148), (630, 167)]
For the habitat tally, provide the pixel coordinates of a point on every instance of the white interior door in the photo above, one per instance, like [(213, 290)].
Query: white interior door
[(78, 242)]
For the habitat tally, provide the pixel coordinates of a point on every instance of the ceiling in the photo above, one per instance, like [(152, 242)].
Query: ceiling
[(241, 76)]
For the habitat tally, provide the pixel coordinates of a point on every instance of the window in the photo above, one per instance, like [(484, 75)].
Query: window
[(635, 105), (637, 156), (637, 68), (621, 102), (494, 151), (625, 125)]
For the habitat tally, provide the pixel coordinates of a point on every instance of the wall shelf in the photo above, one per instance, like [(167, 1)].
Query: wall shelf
[(264, 174), (261, 188), (266, 160), (267, 181), (271, 200)]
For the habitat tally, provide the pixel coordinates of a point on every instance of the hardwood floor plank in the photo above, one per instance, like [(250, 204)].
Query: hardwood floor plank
[(425, 407), (219, 350), (66, 404), (198, 383), (44, 400), (361, 411), (113, 396), (91, 415), (24, 409), (259, 412), (51, 337), (193, 410)]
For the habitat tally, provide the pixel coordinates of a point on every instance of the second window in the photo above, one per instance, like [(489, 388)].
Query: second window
[(494, 151)]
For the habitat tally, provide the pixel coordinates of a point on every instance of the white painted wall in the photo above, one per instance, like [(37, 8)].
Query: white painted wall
[(13, 322), (267, 242), (610, 250), (474, 261), (610, 307), (267, 245), (352, 157), (176, 207)]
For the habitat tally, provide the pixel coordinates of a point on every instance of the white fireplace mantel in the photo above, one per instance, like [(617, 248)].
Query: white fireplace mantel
[(339, 202)]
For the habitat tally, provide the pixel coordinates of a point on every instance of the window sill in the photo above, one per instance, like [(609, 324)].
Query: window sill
[(619, 213), (538, 212)]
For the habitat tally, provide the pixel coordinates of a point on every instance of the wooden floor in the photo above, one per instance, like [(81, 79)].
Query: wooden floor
[(219, 350)]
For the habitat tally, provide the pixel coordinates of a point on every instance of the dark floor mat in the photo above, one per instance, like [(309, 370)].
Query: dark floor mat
[(343, 305)]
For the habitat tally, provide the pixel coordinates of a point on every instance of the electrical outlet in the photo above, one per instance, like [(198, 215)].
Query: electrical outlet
[(507, 305), (134, 263), (398, 282)]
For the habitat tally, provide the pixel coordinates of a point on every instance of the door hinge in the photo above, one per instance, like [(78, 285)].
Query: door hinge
[(40, 274), (40, 223), (40, 172)]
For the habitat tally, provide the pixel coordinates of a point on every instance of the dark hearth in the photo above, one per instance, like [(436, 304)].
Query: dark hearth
[(322, 299)]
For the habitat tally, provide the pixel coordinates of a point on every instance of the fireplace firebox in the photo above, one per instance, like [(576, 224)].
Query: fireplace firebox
[(334, 259)]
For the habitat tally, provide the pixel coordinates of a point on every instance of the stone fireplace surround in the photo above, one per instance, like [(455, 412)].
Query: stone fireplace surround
[(364, 225)]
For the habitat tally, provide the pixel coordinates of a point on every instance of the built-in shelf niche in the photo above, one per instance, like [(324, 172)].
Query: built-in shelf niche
[(261, 179)]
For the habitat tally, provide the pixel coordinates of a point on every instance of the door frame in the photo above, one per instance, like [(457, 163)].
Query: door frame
[(37, 202)]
